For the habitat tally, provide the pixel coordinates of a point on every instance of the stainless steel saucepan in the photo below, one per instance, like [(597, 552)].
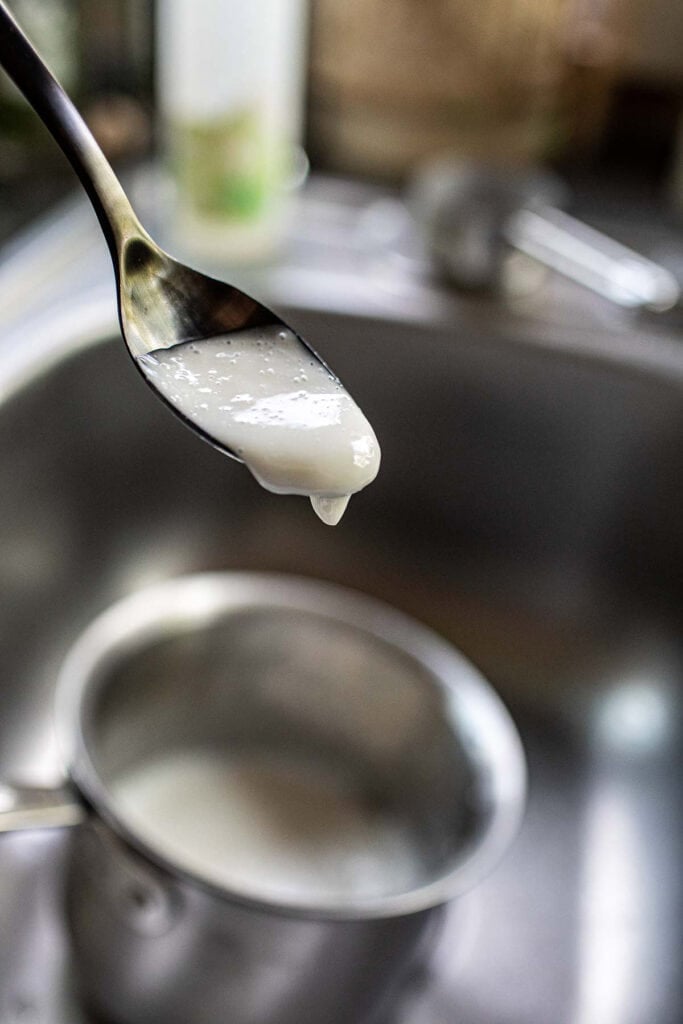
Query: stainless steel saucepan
[(236, 665)]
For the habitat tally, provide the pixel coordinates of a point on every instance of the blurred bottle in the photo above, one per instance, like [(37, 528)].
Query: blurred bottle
[(230, 91)]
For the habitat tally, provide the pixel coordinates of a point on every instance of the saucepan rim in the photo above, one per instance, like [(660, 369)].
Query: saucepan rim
[(197, 600)]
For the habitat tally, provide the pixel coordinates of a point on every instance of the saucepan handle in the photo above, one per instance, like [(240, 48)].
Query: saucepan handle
[(26, 807)]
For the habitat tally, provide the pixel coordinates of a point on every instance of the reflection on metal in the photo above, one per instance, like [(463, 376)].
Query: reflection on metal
[(636, 718), (610, 940)]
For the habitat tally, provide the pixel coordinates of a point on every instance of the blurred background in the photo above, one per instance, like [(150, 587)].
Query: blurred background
[(529, 506), (590, 88)]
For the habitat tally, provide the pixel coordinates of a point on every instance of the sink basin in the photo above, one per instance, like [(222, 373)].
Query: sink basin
[(529, 508)]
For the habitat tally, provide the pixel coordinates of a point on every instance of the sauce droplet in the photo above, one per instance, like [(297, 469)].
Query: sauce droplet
[(330, 509)]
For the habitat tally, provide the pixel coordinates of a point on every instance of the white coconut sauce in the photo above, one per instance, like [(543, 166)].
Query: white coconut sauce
[(262, 395), (265, 825)]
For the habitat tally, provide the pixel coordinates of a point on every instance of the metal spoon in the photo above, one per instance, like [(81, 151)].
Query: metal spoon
[(161, 303)]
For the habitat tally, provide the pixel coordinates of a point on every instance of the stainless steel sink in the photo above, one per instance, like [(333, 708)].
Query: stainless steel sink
[(529, 507)]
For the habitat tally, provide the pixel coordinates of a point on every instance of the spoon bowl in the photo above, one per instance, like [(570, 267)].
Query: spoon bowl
[(163, 303)]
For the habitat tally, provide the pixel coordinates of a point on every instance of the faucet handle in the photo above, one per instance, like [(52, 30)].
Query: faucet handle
[(472, 215)]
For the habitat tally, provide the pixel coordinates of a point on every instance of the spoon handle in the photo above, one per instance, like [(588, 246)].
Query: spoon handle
[(42, 90)]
